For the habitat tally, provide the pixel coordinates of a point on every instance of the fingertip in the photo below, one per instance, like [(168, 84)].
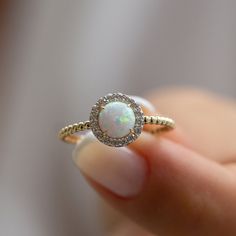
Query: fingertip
[(120, 170)]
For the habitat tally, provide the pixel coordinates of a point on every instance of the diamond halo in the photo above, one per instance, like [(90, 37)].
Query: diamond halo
[(103, 136)]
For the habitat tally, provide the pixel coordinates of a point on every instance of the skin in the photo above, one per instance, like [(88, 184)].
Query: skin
[(192, 187)]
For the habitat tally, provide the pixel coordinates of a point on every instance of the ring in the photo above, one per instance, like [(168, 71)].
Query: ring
[(116, 120)]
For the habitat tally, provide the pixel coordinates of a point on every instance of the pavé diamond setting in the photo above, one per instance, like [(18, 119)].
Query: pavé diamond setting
[(116, 120)]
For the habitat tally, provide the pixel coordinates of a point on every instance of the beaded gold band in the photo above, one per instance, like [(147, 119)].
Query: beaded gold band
[(67, 133), (116, 120)]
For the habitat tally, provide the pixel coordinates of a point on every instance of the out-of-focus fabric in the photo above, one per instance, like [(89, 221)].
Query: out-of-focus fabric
[(63, 55)]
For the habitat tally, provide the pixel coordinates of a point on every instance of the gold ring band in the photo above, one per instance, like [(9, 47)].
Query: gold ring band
[(132, 117)]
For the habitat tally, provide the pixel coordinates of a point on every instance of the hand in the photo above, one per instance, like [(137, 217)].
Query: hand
[(178, 183)]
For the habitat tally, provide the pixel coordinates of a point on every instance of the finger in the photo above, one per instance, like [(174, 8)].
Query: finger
[(117, 223), (113, 222), (208, 119), (147, 106), (161, 185), (176, 135), (231, 167), (129, 228)]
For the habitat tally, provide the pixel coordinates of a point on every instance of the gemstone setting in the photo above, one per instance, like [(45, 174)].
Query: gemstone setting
[(116, 120)]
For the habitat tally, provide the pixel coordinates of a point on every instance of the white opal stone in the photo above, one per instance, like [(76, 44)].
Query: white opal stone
[(116, 119)]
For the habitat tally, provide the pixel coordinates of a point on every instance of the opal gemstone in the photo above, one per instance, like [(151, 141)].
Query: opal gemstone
[(116, 119)]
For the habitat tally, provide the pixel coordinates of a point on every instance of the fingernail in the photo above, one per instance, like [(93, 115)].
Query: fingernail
[(119, 170), (145, 103)]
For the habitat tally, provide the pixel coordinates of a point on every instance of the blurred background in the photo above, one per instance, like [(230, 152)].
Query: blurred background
[(58, 57)]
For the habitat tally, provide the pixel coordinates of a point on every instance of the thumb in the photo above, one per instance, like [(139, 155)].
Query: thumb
[(163, 186)]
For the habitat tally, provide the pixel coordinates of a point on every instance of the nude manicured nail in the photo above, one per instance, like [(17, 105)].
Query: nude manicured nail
[(119, 170), (144, 103)]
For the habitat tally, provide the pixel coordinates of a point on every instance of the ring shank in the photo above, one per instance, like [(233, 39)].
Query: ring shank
[(67, 133)]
